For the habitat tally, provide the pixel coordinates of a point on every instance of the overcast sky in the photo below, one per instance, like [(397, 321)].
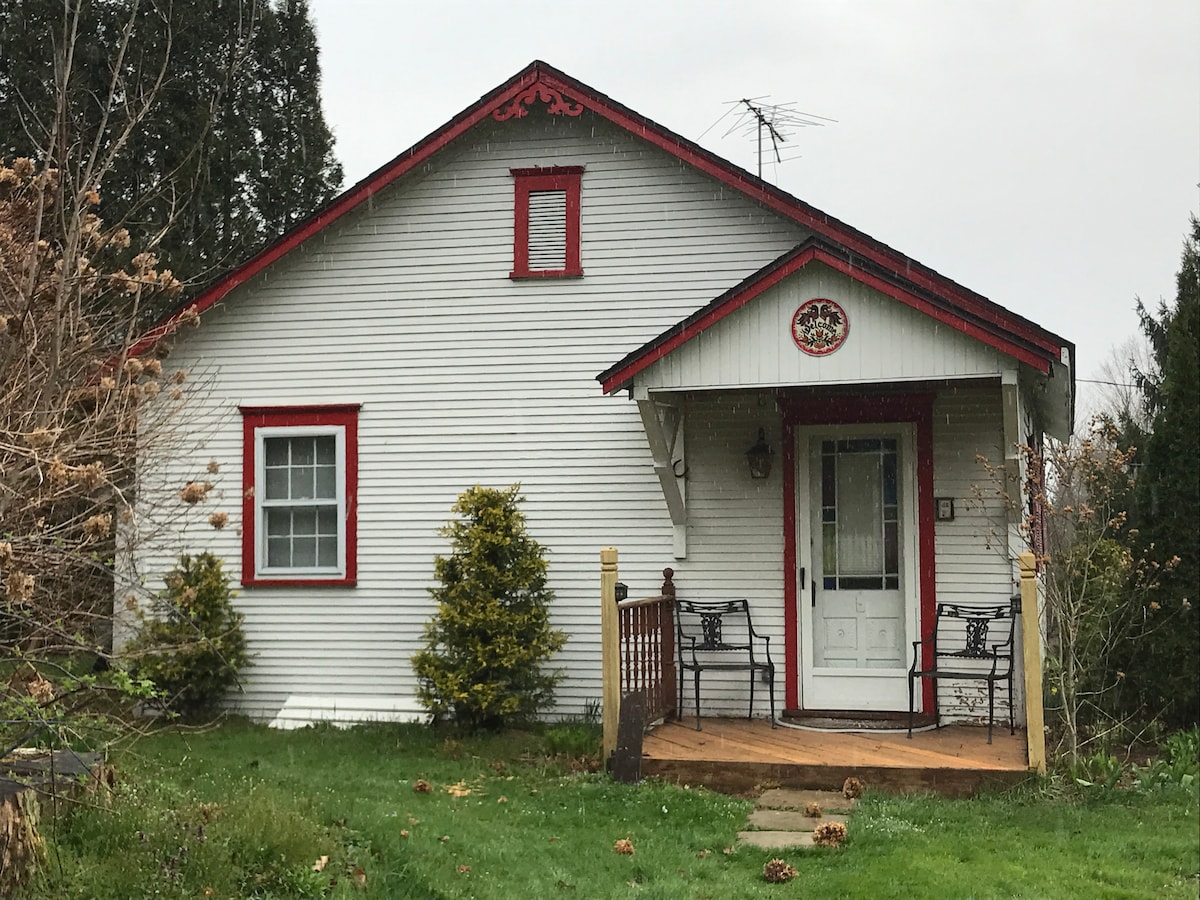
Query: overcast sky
[(1045, 153)]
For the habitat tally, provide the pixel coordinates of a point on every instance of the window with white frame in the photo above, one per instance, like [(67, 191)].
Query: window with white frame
[(299, 502)]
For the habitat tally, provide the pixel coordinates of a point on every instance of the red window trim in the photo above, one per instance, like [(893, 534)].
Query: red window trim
[(864, 408), (551, 178), (344, 415)]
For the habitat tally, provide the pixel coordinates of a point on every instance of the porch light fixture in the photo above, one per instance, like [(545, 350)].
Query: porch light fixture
[(759, 457)]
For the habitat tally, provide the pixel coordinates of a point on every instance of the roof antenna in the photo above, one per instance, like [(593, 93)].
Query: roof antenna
[(772, 120)]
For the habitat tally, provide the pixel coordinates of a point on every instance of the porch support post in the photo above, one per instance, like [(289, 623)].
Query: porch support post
[(663, 423), (1032, 644), (1012, 444), (610, 650)]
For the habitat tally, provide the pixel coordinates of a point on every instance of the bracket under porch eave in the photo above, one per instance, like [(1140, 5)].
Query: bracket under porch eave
[(663, 423)]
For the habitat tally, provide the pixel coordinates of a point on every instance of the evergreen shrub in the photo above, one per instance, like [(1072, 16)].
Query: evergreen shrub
[(484, 663), (192, 646)]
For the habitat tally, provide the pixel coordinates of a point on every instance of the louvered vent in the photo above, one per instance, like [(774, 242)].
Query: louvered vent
[(547, 231)]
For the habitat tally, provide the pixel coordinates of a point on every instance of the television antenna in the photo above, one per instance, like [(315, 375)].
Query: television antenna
[(774, 121)]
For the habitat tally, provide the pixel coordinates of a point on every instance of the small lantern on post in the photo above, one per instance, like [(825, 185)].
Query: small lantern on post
[(759, 457)]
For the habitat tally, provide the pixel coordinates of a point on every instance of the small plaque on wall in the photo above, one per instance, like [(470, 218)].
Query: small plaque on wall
[(945, 509), (819, 327)]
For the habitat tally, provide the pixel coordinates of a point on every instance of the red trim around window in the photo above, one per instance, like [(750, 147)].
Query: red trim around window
[(255, 417), (553, 178), (854, 410)]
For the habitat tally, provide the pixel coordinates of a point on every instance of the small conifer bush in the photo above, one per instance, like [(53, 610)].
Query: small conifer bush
[(192, 646), (484, 663)]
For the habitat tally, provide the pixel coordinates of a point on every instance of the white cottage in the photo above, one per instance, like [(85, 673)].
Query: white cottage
[(445, 323)]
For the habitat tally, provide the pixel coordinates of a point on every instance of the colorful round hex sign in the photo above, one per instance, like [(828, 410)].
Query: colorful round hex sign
[(819, 327)]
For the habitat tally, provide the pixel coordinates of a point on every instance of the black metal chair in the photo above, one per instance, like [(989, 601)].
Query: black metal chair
[(721, 636), (968, 642)]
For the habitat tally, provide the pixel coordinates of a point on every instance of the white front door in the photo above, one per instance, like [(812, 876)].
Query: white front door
[(858, 585)]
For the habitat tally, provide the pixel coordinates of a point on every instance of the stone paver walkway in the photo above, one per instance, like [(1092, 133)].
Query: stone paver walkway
[(778, 821)]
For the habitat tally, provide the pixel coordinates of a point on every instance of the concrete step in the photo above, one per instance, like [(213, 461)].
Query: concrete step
[(776, 840), (784, 798), (789, 820)]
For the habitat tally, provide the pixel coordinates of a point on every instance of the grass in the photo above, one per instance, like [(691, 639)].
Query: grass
[(241, 811)]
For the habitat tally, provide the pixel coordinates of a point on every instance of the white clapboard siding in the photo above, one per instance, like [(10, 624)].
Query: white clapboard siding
[(465, 376), (887, 341), (972, 551)]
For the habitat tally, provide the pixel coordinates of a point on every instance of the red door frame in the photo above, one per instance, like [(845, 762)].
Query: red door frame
[(856, 409)]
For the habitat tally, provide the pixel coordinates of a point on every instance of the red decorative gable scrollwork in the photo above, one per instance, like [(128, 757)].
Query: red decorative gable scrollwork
[(556, 103)]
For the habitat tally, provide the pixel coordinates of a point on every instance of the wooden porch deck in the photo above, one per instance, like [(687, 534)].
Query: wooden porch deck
[(738, 755)]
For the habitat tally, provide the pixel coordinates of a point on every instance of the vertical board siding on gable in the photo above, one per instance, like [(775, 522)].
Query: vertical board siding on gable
[(464, 377), (887, 341)]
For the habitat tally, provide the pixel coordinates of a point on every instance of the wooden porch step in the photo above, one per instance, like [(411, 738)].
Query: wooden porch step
[(776, 840), (790, 820)]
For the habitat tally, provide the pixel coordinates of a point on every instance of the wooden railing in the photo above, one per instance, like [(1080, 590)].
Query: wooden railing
[(637, 649)]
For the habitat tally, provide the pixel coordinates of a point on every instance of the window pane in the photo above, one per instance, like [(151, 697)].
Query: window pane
[(327, 520), (326, 450), (277, 484), (326, 483), (829, 549), (302, 483), (279, 552), (327, 551), (303, 451), (859, 514), (304, 552), (279, 522), (275, 451), (889, 478), (891, 548), (304, 521)]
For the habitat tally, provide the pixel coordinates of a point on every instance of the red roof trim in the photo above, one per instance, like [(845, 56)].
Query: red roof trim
[(771, 275), (556, 84)]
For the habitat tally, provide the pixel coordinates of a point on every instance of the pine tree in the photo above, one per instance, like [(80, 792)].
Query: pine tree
[(188, 181), (1169, 495), (487, 646)]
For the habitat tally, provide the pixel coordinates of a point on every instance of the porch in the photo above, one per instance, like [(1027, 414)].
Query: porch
[(739, 755), (643, 736)]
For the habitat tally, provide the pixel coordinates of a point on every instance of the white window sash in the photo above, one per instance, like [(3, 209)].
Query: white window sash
[(261, 504)]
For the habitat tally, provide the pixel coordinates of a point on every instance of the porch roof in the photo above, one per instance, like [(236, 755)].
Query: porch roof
[(1016, 337)]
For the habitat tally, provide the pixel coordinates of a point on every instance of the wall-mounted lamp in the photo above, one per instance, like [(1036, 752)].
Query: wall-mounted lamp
[(759, 457)]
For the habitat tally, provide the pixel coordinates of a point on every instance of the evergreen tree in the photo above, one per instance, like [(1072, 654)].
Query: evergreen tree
[(210, 81), (1169, 494), (491, 636)]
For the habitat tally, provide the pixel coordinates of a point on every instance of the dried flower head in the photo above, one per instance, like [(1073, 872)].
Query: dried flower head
[(813, 810), (777, 871), (190, 317), (57, 471), (195, 491), (852, 788), (421, 786), (98, 526), (213, 467), (133, 367), (218, 520), (179, 376), (624, 847), (6, 553), (151, 388), (829, 834), (89, 477), (39, 437), (41, 690), (18, 586)]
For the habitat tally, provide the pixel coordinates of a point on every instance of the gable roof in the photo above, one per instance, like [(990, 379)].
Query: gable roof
[(540, 83), (1018, 338)]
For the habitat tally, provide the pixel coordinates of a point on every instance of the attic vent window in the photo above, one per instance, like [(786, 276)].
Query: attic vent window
[(546, 222)]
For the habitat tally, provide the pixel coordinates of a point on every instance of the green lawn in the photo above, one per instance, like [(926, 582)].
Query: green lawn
[(241, 811)]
